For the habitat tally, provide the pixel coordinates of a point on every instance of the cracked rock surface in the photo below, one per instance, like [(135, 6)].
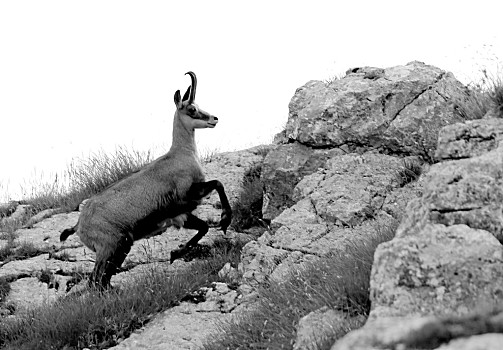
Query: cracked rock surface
[(439, 283), (397, 109)]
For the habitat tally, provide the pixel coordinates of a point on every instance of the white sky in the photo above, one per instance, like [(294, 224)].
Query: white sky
[(78, 76)]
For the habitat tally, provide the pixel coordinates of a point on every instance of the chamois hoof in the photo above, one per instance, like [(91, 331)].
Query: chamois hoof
[(177, 254), (225, 221)]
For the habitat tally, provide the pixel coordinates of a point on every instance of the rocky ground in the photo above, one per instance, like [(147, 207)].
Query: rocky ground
[(341, 170)]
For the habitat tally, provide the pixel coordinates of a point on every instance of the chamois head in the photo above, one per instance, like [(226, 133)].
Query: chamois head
[(189, 113)]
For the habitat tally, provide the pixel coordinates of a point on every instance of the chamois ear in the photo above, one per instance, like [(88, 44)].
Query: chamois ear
[(177, 99), (187, 94)]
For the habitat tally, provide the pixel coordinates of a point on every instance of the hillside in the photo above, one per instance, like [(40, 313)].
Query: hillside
[(379, 155)]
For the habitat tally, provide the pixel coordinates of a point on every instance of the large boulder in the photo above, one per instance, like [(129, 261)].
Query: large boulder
[(398, 109), (466, 191), (441, 269)]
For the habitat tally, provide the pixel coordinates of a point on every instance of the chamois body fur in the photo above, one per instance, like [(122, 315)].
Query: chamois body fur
[(163, 192)]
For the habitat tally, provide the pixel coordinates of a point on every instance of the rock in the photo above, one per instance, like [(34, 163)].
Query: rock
[(29, 292), (472, 331), (318, 327), (397, 110), (489, 341), (236, 165), (339, 202), (350, 197), (446, 257), (466, 191), (18, 217), (179, 327), (469, 139), (438, 270), (228, 272), (33, 266), (258, 261), (41, 216), (44, 235), (283, 168)]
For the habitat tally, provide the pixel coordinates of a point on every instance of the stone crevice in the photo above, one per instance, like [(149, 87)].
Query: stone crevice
[(414, 98)]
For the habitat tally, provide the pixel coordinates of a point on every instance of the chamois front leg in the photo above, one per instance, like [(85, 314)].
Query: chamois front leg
[(201, 189)]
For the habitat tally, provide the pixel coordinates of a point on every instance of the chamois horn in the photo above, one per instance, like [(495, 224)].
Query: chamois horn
[(193, 86)]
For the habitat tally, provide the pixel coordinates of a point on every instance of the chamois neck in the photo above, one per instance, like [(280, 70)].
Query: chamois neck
[(183, 138)]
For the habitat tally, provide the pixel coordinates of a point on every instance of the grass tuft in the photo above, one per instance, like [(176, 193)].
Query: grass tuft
[(409, 172), (340, 281), (4, 288), (481, 98), (10, 251), (247, 212)]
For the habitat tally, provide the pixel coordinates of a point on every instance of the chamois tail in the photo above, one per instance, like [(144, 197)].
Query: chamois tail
[(67, 232)]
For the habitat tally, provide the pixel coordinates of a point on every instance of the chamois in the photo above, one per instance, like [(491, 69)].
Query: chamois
[(143, 204)]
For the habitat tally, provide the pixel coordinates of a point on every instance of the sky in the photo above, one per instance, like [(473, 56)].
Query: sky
[(78, 77)]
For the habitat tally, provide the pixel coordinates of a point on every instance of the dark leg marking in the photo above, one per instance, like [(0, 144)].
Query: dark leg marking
[(108, 263), (202, 189)]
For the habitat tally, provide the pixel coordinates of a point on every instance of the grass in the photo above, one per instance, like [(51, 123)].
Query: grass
[(98, 321), (4, 288), (247, 211), (409, 172), (10, 251), (329, 81), (82, 179), (88, 177), (8, 209), (482, 97), (340, 281)]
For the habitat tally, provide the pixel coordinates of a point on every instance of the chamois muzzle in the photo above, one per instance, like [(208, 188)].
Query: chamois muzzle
[(193, 87)]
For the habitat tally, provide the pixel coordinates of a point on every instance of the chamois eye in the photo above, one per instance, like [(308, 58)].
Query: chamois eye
[(191, 109)]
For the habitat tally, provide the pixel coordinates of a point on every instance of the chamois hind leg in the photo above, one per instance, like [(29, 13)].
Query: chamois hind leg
[(108, 262), (194, 223)]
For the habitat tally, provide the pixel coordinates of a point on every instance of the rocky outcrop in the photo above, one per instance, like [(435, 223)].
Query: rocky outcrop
[(447, 257), (396, 111), (336, 175)]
